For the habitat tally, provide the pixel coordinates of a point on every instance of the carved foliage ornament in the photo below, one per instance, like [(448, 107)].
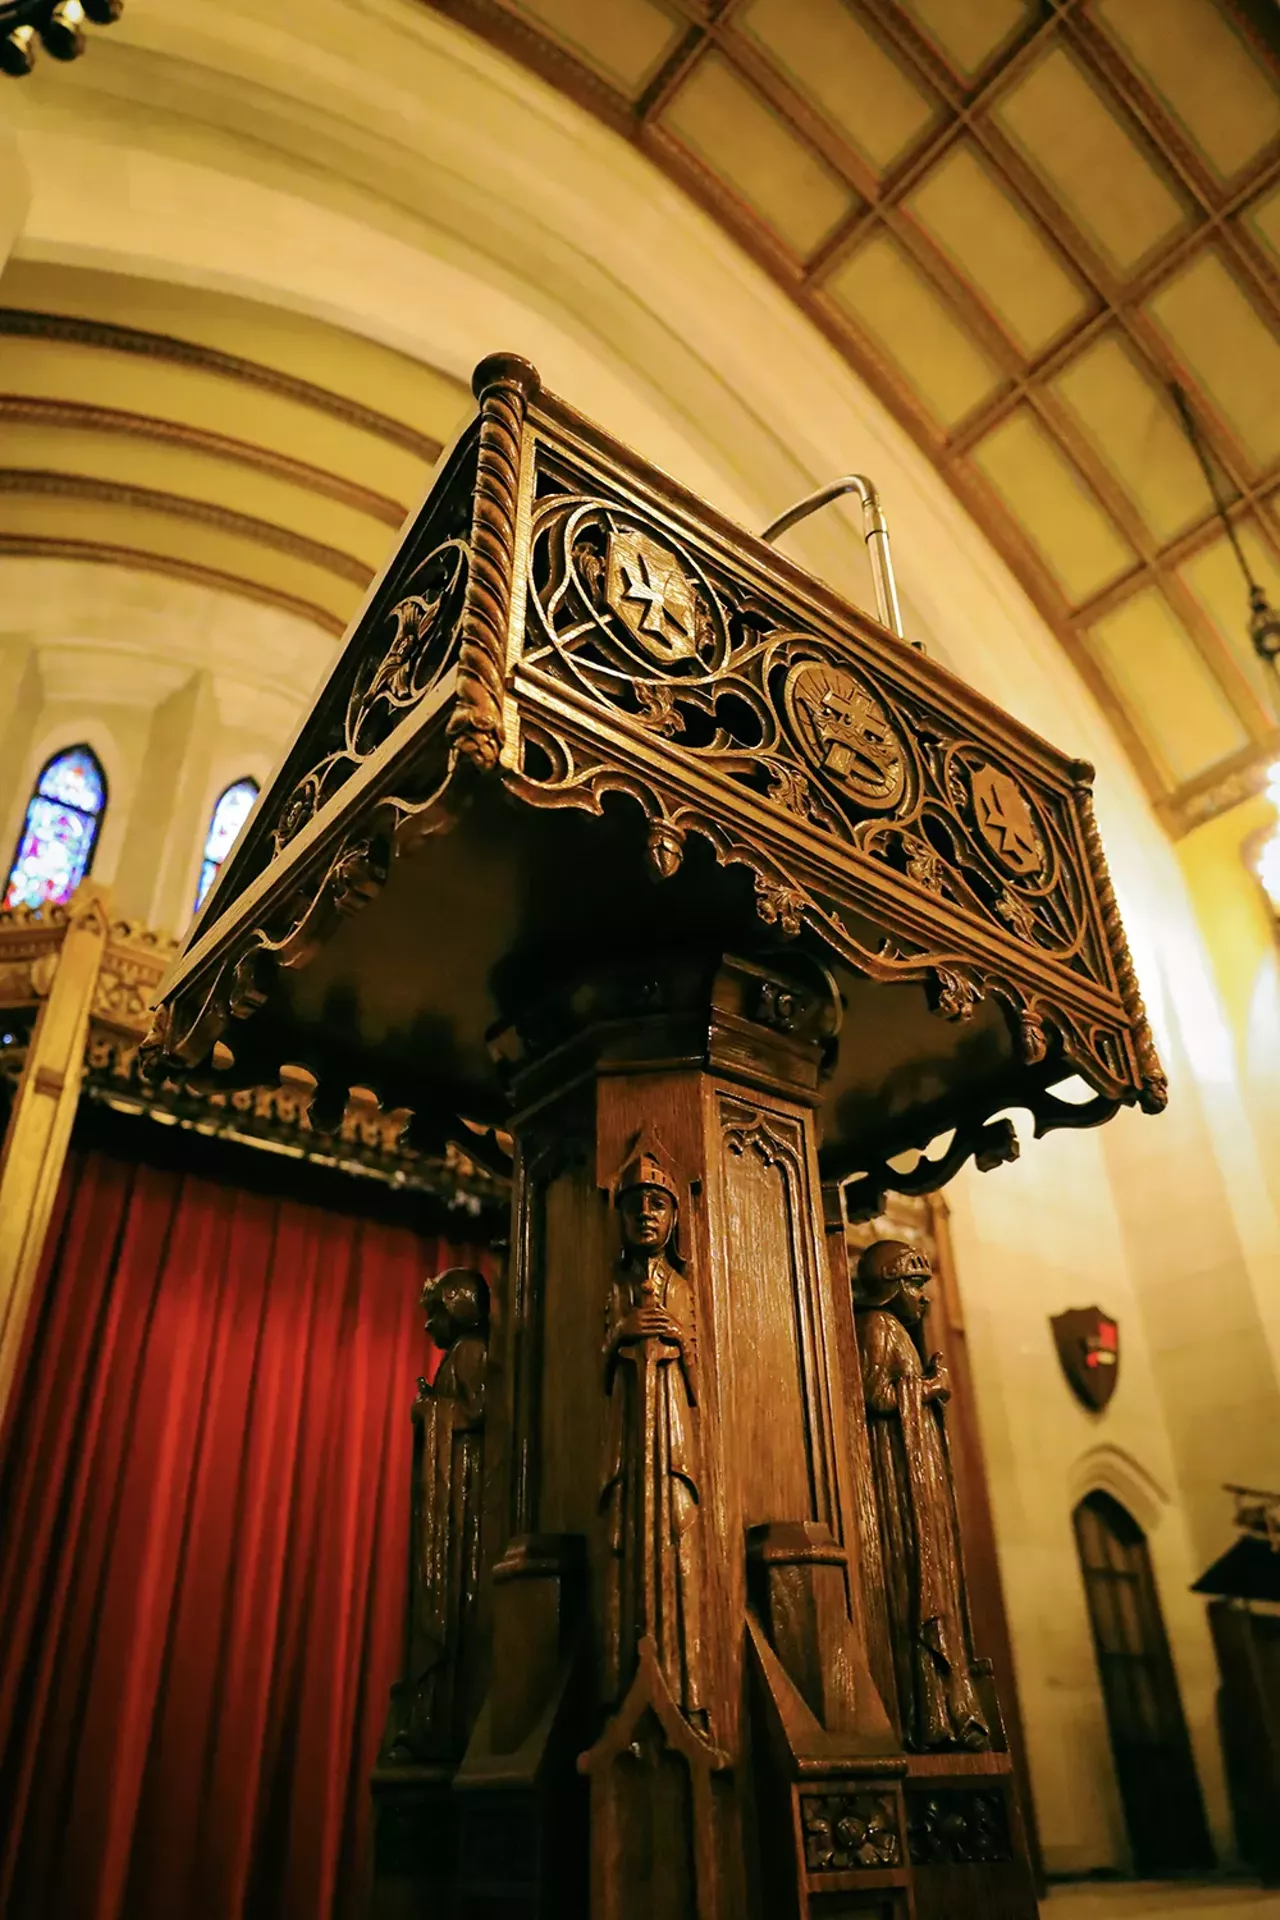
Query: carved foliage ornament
[(847, 1831), (420, 633), (442, 606), (435, 612), (959, 1827)]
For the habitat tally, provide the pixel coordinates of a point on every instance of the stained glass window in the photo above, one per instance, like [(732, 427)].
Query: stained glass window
[(233, 809), (60, 831)]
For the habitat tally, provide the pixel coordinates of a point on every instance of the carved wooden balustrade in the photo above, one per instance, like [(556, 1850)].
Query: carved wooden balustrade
[(720, 897)]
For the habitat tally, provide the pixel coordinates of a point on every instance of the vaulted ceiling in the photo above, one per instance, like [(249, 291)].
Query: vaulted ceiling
[(208, 437), (1022, 221)]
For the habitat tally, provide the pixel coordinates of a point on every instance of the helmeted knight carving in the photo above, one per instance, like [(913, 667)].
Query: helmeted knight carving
[(651, 1494), (429, 1713), (920, 1535)]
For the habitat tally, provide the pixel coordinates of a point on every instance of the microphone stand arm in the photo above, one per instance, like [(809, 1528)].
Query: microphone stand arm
[(876, 529)]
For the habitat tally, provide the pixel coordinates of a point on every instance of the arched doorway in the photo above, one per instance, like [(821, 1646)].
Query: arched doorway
[(1163, 1808)]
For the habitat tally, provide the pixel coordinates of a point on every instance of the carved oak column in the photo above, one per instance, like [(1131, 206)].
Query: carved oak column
[(675, 1403)]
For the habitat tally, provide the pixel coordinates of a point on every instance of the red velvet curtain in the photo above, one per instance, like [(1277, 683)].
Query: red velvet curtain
[(203, 1495)]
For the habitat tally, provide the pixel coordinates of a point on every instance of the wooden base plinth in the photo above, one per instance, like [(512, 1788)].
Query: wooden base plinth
[(415, 1842), (966, 1839)]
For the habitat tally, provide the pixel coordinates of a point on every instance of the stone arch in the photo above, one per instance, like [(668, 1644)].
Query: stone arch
[(1106, 1468)]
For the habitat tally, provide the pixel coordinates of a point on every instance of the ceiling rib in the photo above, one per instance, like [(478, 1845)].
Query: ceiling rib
[(73, 328), (244, 526), (50, 415), (140, 560)]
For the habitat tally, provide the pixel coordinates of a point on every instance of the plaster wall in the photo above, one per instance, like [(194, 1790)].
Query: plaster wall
[(1240, 931), (180, 691), (364, 161), (15, 187)]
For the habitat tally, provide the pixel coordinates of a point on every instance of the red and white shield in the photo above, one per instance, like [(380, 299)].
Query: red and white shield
[(1088, 1343)]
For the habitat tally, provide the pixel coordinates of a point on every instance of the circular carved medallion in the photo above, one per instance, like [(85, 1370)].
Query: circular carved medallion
[(650, 592), (1006, 821), (845, 733)]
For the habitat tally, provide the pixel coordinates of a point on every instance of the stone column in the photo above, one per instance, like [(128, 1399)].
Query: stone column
[(170, 814), (21, 698)]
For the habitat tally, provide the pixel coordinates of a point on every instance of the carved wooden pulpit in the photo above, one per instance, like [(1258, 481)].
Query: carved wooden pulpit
[(617, 833)]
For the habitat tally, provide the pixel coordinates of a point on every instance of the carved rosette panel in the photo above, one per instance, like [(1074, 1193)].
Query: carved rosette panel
[(846, 1832), (817, 749), (412, 634), (958, 1826)]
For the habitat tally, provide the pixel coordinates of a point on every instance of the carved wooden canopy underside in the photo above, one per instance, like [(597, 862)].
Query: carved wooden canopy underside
[(563, 624)]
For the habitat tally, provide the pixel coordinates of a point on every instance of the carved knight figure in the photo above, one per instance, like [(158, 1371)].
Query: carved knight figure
[(651, 1496), (916, 1501), (444, 1529)]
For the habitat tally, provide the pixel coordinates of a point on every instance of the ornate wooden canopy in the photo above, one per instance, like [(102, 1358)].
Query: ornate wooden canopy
[(573, 670)]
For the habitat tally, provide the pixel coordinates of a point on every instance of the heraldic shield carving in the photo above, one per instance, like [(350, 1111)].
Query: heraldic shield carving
[(1088, 1343)]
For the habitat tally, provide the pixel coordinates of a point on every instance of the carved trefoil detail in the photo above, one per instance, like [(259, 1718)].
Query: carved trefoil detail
[(915, 1497)]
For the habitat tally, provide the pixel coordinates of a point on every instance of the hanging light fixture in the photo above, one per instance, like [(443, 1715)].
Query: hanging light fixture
[(57, 25), (1264, 620), (1264, 636)]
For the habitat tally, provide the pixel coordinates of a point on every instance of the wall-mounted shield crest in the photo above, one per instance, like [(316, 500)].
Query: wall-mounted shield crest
[(1088, 1343)]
